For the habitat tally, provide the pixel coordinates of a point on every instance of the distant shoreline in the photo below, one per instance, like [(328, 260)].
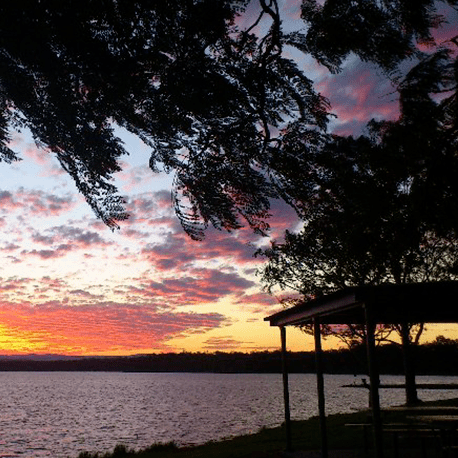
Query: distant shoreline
[(430, 360)]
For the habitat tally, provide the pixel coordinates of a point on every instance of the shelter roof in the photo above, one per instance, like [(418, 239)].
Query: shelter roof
[(389, 304)]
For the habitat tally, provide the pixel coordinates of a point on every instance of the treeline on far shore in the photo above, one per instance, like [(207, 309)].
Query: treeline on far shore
[(439, 357)]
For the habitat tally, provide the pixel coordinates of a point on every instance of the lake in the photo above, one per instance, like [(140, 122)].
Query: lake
[(59, 414)]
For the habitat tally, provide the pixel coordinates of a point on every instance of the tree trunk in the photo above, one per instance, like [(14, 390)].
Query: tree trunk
[(409, 367)]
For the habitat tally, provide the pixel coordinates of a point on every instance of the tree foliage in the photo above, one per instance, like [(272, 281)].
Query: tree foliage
[(219, 105), (380, 208)]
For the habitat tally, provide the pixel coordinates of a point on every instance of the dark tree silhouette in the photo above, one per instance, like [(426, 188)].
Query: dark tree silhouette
[(216, 104), (381, 208)]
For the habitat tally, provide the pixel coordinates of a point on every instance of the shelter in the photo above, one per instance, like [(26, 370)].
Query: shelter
[(369, 305)]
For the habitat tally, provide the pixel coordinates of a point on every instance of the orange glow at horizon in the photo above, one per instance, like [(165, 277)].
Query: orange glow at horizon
[(73, 331), (74, 334)]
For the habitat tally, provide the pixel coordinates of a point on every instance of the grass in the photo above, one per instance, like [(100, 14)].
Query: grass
[(268, 442)]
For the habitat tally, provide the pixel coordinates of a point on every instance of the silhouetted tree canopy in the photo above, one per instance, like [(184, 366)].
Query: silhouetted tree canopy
[(380, 208), (220, 106)]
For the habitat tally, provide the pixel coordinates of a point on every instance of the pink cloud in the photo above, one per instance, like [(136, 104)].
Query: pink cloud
[(358, 94), (14, 284), (49, 283), (224, 343), (61, 240), (79, 237), (6, 200), (152, 208), (44, 254), (43, 159), (36, 202), (176, 249), (108, 328), (134, 176), (135, 234), (448, 28), (84, 294), (57, 252), (9, 247), (40, 156), (258, 299), (193, 286)]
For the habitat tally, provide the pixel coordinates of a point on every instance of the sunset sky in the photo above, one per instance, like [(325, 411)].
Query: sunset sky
[(71, 286)]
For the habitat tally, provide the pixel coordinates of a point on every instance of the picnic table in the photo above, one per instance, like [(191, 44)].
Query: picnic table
[(428, 410), (420, 386), (446, 425), (430, 428)]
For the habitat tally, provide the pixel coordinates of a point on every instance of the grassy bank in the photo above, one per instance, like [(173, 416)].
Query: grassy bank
[(268, 442)]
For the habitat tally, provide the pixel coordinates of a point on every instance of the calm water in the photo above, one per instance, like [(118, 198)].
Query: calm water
[(60, 414)]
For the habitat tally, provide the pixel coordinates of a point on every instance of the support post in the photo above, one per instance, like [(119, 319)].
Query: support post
[(374, 381), (320, 386), (285, 388), (409, 365)]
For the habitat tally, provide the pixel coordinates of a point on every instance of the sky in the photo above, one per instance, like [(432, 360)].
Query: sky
[(71, 286)]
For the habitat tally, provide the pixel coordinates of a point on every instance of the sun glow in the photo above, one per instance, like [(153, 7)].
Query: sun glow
[(15, 341)]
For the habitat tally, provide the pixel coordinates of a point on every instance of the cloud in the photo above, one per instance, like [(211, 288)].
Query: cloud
[(84, 294), (59, 252), (192, 287), (6, 199), (38, 155), (61, 240), (176, 250), (79, 237), (13, 284), (45, 161), (36, 202), (9, 247), (224, 343), (135, 234), (259, 299), (55, 284), (108, 328), (358, 94), (169, 253), (447, 30), (43, 239), (153, 209), (133, 177)]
